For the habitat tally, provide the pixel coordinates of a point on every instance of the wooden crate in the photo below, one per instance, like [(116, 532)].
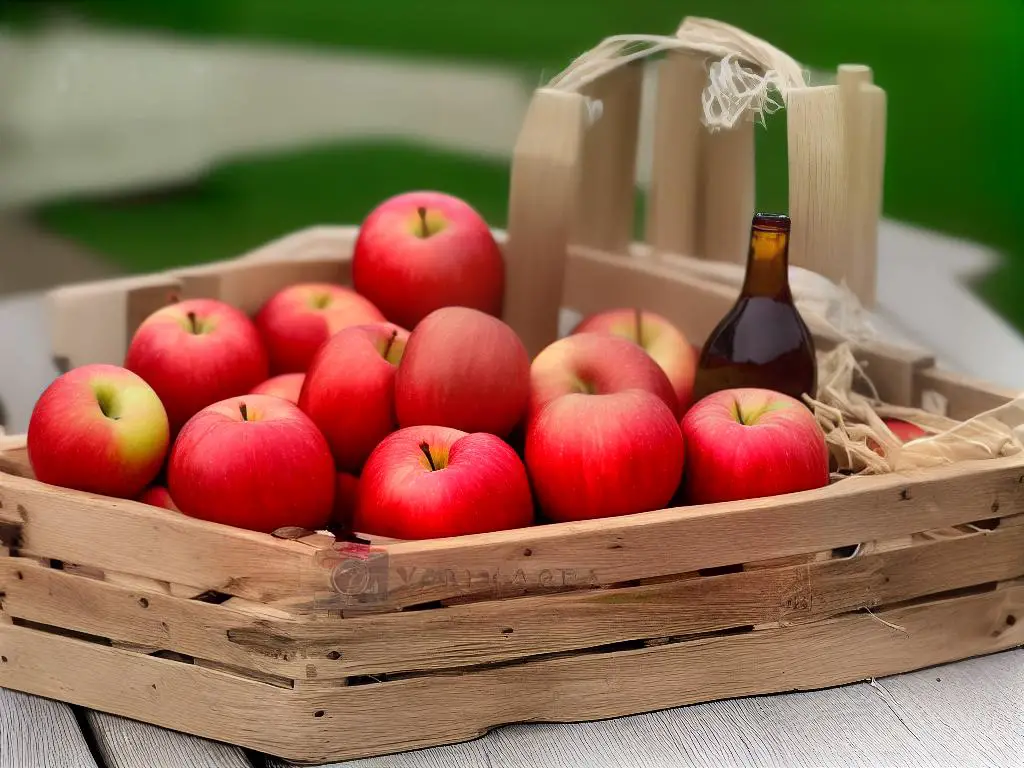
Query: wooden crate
[(313, 649)]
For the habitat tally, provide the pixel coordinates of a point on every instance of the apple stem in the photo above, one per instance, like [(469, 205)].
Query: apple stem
[(391, 341), (245, 413), (192, 322), (426, 452), (423, 221), (639, 326)]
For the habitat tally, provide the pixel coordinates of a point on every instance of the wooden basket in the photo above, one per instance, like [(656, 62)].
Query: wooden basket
[(315, 650)]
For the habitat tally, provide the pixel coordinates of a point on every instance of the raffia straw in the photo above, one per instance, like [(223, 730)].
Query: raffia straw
[(743, 74), (861, 443)]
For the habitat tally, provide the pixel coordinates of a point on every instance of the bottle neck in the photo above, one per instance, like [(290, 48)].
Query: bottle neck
[(767, 264)]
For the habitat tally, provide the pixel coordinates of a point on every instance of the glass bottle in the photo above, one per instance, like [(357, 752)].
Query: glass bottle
[(762, 341)]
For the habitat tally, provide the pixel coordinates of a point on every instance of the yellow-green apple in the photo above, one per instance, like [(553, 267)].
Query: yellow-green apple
[(662, 340), (596, 363), (749, 443), (296, 320), (158, 496), (427, 482), (464, 369), (602, 436), (349, 391), (197, 352), (424, 250), (346, 496), (98, 428), (254, 461), (286, 385)]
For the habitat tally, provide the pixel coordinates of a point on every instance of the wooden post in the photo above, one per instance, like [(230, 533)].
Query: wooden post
[(728, 190), (864, 123), (542, 201), (673, 199), (607, 191), (818, 181)]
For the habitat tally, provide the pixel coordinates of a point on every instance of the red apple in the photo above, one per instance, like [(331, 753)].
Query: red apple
[(296, 320), (287, 386), (349, 391), (904, 430), (463, 369), (346, 496), (98, 428), (596, 363), (749, 443), (662, 340), (602, 438), (255, 462), (158, 496), (427, 482), (421, 251), (197, 352)]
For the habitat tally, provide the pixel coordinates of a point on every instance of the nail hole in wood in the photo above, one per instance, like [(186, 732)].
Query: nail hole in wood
[(144, 602), (319, 713), (527, 552), (333, 655), (3, 659), (153, 686), (1011, 620), (905, 494), (164, 626), (506, 630), (20, 575)]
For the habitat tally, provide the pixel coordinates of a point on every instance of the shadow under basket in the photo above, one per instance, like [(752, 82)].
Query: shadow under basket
[(313, 650)]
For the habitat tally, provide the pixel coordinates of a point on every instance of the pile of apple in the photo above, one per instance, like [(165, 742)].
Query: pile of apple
[(406, 408)]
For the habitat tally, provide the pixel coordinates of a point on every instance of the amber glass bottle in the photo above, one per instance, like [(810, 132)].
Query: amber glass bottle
[(762, 341)]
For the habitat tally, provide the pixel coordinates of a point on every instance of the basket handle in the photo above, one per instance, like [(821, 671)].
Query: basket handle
[(745, 70)]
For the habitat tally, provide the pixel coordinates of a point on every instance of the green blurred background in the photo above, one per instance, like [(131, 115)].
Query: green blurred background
[(951, 68)]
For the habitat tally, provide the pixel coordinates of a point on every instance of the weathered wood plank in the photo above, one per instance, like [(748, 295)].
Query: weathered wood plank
[(142, 540), (316, 725), (504, 630), (40, 733), (125, 743), (673, 541)]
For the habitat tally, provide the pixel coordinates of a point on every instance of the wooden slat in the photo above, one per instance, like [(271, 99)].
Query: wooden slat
[(503, 630), (321, 724), (131, 537), (595, 281), (863, 106), (125, 743), (40, 733), (727, 193), (965, 397), (818, 181), (542, 198), (607, 191), (674, 541), (673, 205)]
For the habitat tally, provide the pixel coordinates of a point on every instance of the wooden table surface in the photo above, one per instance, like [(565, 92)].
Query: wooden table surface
[(964, 715)]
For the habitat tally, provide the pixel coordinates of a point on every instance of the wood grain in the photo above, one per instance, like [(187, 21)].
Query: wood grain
[(673, 202), (324, 648), (685, 539), (39, 733), (315, 725), (727, 193), (607, 187), (142, 540), (542, 198), (125, 743)]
